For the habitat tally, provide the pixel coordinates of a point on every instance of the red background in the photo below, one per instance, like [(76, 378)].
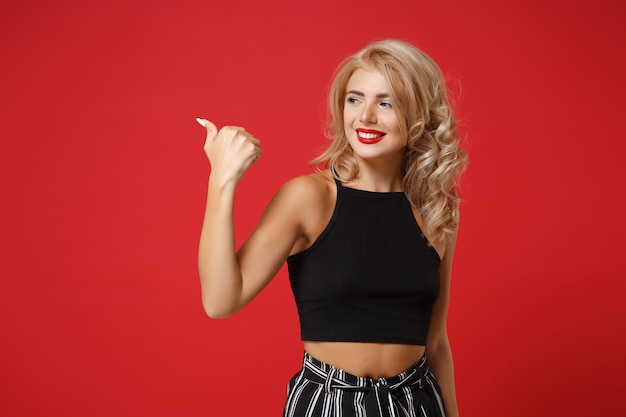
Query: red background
[(103, 181)]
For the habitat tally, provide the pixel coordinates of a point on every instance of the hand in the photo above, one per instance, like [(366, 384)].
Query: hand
[(231, 151)]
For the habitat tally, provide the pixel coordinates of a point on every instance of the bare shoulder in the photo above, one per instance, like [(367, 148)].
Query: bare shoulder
[(308, 190), (311, 199), (316, 183), (449, 244)]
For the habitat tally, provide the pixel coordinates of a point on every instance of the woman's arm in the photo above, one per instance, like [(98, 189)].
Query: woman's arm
[(437, 345), (230, 280)]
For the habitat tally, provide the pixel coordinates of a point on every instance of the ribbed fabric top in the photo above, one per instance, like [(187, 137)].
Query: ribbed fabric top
[(371, 276)]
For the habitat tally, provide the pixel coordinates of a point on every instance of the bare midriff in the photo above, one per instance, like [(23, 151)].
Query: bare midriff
[(370, 360)]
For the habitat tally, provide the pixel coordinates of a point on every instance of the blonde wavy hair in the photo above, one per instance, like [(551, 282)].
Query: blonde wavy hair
[(433, 159)]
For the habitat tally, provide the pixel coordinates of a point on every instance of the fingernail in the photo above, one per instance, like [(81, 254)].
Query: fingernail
[(201, 122)]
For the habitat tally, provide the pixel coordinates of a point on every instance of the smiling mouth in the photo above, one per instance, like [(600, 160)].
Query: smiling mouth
[(368, 136)]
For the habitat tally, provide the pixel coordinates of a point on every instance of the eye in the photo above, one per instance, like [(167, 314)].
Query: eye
[(386, 104), (353, 100)]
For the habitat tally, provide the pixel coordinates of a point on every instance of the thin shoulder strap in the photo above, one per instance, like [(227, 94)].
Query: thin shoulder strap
[(333, 172)]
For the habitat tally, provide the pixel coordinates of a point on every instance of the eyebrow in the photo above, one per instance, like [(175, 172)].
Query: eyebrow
[(361, 94)]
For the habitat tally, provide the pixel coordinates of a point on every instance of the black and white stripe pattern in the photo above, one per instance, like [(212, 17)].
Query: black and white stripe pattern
[(321, 390)]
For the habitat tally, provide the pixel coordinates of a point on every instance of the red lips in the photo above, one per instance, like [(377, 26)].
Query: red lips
[(369, 136)]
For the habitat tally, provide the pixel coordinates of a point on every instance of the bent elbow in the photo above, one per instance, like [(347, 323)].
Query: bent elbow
[(216, 314), (215, 311)]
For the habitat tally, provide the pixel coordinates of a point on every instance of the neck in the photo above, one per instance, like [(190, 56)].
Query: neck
[(378, 176)]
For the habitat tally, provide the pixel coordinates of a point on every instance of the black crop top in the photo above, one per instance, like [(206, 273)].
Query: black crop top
[(371, 276)]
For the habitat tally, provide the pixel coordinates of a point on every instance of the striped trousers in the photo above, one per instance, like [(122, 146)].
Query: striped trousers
[(321, 390)]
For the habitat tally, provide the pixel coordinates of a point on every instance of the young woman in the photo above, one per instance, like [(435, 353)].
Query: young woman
[(369, 241)]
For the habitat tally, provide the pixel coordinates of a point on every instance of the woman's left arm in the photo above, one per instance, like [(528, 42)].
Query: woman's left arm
[(438, 349)]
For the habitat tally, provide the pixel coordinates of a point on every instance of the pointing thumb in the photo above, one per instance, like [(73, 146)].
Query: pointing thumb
[(211, 129)]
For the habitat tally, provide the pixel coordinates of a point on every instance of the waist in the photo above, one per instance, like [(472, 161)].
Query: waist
[(368, 360)]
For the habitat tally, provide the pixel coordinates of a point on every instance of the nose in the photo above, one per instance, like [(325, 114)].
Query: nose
[(368, 115)]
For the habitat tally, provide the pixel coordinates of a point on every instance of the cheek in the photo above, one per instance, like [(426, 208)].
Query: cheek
[(391, 122), (348, 118), (346, 126), (394, 123), (397, 132)]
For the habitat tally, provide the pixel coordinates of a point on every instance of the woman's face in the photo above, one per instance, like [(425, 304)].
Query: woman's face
[(370, 121)]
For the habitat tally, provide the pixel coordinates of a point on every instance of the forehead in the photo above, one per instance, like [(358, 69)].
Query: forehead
[(367, 80)]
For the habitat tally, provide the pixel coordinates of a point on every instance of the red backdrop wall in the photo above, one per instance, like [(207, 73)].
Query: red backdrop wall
[(103, 182)]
